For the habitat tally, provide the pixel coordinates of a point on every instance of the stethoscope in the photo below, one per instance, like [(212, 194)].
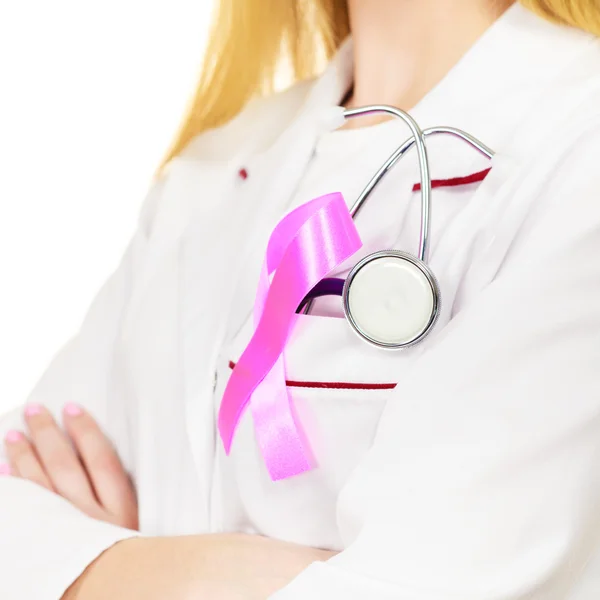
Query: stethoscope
[(392, 298)]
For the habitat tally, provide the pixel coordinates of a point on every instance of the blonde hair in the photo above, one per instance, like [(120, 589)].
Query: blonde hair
[(250, 39)]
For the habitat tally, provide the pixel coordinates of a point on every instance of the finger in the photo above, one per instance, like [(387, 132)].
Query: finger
[(109, 479), (24, 462), (59, 459)]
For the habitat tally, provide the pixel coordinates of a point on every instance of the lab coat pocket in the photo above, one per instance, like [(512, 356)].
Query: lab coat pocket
[(338, 386), (337, 383)]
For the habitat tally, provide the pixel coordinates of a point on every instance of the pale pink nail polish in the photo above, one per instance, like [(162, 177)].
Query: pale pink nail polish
[(13, 436), (5, 470), (72, 410), (32, 409)]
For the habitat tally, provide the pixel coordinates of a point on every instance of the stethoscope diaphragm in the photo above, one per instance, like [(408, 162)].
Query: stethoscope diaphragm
[(391, 299)]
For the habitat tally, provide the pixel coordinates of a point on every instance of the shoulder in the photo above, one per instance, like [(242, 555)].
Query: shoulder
[(200, 166), (567, 108), (558, 136), (254, 129)]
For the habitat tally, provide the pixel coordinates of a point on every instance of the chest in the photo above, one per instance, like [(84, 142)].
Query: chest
[(192, 322)]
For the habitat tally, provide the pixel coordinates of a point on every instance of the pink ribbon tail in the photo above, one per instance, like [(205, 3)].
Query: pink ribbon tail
[(304, 247)]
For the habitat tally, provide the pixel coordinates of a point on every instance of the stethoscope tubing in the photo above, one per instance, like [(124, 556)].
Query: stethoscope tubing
[(417, 139), (389, 164)]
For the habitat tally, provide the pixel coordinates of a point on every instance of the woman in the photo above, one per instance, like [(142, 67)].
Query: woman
[(467, 466)]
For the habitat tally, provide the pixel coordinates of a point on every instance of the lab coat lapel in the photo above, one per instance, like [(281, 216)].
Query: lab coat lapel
[(267, 193)]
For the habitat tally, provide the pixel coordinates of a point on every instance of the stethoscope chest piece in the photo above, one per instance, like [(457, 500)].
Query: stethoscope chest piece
[(391, 299)]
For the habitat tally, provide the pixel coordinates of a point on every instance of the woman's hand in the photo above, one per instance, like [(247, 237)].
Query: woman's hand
[(219, 567), (79, 465)]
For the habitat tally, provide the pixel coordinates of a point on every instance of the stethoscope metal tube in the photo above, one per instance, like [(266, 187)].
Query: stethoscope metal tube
[(392, 298), (417, 139)]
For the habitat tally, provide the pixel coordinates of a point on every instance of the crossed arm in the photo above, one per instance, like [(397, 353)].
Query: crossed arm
[(79, 464)]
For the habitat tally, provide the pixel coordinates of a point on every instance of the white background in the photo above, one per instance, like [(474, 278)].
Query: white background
[(91, 94)]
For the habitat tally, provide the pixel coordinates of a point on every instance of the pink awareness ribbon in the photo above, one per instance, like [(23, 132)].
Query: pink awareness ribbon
[(304, 247)]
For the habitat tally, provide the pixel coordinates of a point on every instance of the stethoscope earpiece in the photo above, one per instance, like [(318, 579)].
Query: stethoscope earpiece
[(391, 299)]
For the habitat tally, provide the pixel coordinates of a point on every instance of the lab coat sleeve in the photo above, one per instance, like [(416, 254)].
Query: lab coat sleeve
[(483, 482), (45, 543)]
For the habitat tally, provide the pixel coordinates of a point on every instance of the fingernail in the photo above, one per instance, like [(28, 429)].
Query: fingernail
[(32, 409), (13, 436), (5, 470), (72, 410)]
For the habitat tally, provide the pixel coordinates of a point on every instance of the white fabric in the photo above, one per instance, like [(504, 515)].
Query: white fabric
[(478, 476)]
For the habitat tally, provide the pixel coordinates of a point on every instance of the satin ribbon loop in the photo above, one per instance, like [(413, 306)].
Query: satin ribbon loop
[(304, 247)]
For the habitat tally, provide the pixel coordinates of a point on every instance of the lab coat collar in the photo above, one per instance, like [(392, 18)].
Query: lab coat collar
[(509, 70), (504, 77)]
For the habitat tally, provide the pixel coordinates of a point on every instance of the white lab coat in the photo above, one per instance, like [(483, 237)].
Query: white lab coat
[(478, 476)]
